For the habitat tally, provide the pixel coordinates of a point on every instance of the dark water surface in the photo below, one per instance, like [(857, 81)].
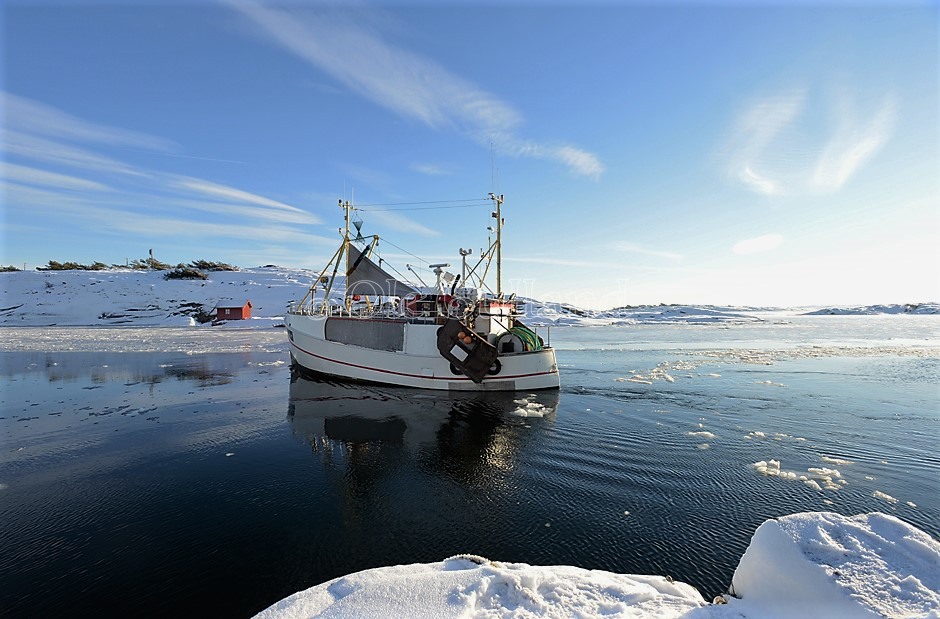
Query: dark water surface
[(211, 480)]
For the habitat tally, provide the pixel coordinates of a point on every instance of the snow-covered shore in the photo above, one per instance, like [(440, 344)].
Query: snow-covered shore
[(145, 298), (812, 564)]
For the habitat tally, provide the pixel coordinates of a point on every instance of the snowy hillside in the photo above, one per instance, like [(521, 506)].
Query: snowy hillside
[(115, 297), (143, 298), (907, 308)]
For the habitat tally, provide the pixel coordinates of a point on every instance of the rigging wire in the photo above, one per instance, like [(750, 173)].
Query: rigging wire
[(386, 241), (416, 206)]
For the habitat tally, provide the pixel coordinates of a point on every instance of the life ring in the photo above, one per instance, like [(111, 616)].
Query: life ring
[(495, 368)]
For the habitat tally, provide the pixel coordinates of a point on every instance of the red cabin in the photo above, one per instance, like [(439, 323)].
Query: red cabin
[(233, 312)]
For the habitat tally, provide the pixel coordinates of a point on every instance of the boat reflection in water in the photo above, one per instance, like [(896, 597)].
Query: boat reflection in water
[(466, 436)]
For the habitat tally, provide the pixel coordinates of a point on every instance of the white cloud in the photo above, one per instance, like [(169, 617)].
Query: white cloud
[(175, 227), (579, 161), (635, 248), (249, 212), (432, 169), (42, 178), (136, 200), (853, 143), (33, 117), (37, 148), (756, 182), (753, 134), (17, 195), (773, 149), (758, 244), (231, 194), (406, 83)]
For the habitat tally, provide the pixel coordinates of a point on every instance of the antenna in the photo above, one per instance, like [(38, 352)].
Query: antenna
[(493, 169), (463, 267), (497, 215)]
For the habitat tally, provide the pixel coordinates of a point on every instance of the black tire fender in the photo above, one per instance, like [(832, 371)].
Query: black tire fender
[(495, 369)]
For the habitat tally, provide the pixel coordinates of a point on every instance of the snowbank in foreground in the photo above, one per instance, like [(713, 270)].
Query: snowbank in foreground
[(814, 564)]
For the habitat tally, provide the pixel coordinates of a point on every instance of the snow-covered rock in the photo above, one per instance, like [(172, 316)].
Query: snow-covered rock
[(826, 565), (461, 587), (813, 564)]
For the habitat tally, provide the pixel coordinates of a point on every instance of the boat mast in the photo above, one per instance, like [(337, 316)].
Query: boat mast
[(345, 206), (497, 214)]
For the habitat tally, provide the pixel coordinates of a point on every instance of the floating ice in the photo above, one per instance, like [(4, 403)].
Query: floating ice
[(702, 434), (525, 408), (836, 461), (816, 478), (824, 472), (878, 494)]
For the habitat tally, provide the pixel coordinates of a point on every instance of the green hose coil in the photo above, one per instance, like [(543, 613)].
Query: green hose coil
[(529, 339)]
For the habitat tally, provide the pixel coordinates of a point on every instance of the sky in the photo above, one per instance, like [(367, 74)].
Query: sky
[(729, 153)]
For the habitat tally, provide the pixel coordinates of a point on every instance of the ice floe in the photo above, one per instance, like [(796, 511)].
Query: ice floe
[(878, 494), (525, 408), (818, 478)]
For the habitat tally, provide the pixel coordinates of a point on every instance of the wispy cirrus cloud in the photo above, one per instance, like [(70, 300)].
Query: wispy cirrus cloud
[(42, 178), (432, 169), (41, 149), (758, 244), (232, 194), (406, 83), (158, 217), (753, 135), (853, 142), (39, 140), (776, 148), (36, 118), (636, 248), (246, 212)]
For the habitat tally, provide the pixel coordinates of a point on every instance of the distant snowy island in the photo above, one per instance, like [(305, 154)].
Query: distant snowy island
[(868, 310), (146, 298)]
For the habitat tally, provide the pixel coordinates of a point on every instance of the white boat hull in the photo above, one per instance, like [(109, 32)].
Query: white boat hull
[(418, 364)]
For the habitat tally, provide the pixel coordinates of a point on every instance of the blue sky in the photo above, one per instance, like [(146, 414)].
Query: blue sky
[(727, 153)]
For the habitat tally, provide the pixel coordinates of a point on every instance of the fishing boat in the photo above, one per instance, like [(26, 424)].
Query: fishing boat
[(454, 335)]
